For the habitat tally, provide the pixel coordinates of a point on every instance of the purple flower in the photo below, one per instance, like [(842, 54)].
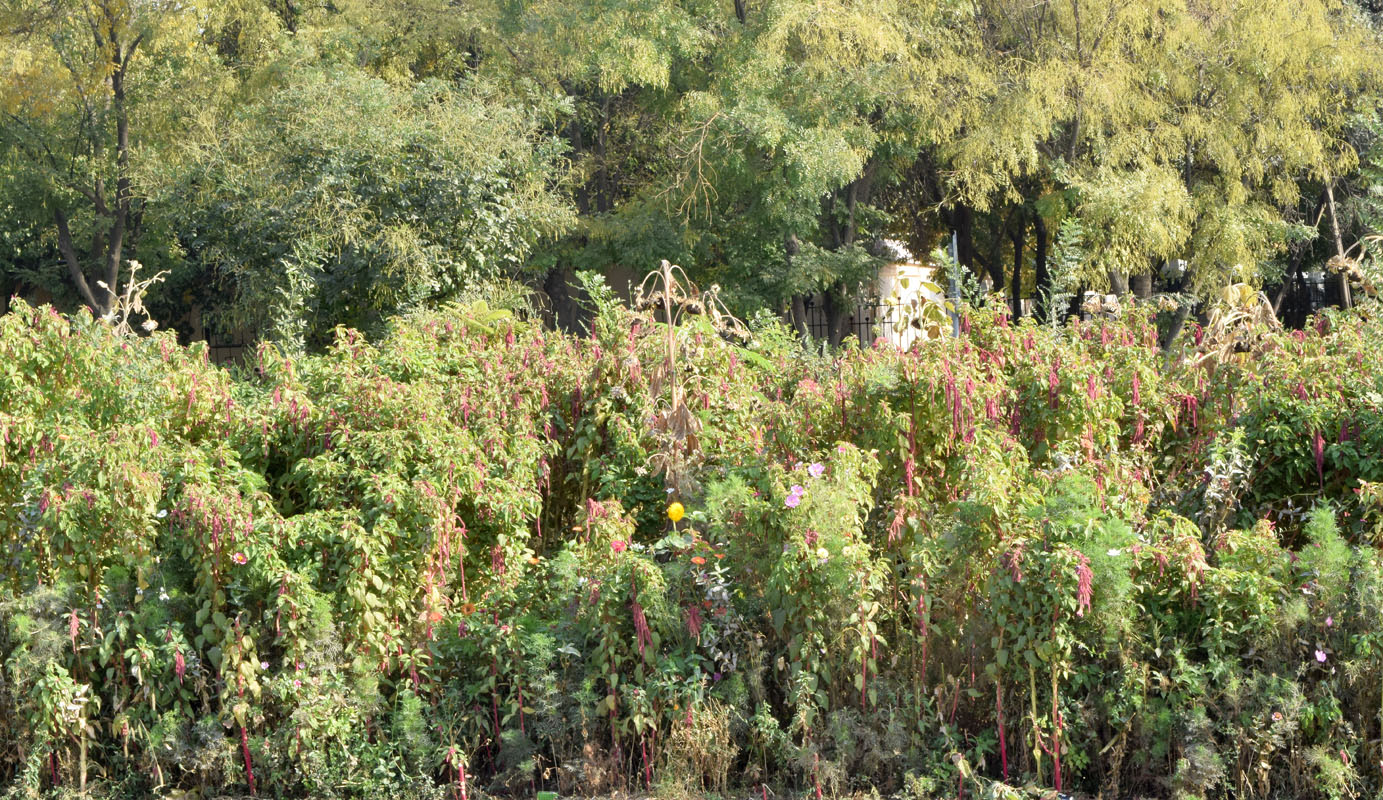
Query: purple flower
[(816, 470), (716, 676), (1320, 656), (792, 500)]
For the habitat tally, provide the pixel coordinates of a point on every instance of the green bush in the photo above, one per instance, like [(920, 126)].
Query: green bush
[(441, 563)]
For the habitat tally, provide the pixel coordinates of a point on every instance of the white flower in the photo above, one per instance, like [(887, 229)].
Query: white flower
[(1114, 552)]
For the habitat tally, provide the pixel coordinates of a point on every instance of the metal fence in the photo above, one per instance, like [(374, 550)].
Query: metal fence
[(226, 348), (869, 320)]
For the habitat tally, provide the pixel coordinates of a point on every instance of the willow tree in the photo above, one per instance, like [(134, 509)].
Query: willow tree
[(1170, 128), (802, 117)]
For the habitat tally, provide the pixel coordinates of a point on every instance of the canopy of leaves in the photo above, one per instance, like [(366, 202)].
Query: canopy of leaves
[(342, 198)]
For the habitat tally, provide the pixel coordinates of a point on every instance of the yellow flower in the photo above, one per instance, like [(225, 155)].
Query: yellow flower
[(675, 512)]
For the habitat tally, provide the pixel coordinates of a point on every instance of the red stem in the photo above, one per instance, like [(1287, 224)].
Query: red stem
[(245, 751)]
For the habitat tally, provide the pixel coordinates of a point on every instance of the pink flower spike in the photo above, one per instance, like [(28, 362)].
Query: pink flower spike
[(1320, 656)]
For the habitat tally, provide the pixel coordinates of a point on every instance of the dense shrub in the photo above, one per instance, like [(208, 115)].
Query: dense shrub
[(443, 563)]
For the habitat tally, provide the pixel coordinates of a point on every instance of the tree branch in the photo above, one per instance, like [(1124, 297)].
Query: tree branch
[(74, 265)]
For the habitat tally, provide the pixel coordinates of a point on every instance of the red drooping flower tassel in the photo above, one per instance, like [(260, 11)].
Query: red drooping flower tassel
[(1084, 587)]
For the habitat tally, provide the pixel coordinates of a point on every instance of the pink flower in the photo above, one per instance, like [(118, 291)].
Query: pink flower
[(619, 545), (816, 470), (1320, 656), (1329, 621), (792, 500), (240, 558)]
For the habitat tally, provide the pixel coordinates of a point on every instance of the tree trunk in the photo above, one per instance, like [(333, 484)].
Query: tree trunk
[(996, 255), (1042, 288), (1020, 239), (1118, 283), (121, 210), (1178, 322), (557, 285), (837, 313), (1141, 285), (1077, 302), (965, 235), (799, 316), (74, 263), (107, 242), (791, 247), (1345, 300)]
